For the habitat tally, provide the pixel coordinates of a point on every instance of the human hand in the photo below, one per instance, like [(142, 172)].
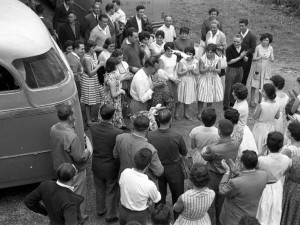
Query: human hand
[(122, 92), (176, 81), (244, 53), (233, 167), (225, 166)]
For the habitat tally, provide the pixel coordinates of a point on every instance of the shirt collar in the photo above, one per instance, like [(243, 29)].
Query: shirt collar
[(95, 15), (244, 35), (101, 28), (137, 18), (73, 53), (127, 42), (65, 186), (248, 171), (67, 7), (139, 136), (167, 27)]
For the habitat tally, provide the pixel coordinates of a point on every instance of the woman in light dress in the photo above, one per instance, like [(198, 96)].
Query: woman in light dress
[(265, 113), (240, 93), (91, 90), (108, 48), (282, 98), (260, 71), (144, 37), (210, 87), (187, 72), (194, 203), (157, 47), (293, 134)]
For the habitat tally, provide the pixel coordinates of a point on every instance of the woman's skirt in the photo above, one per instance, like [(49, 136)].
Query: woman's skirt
[(260, 73), (210, 88), (260, 132), (278, 123), (269, 207), (248, 142), (90, 90), (187, 90)]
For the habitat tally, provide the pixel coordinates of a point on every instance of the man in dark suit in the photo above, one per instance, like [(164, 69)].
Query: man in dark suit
[(249, 41), (137, 21), (70, 30), (90, 21), (60, 203), (61, 14), (244, 191), (104, 166), (39, 11), (110, 10)]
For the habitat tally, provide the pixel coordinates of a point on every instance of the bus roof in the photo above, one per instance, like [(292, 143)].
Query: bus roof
[(23, 34)]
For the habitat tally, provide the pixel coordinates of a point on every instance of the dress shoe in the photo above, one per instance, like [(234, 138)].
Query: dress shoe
[(111, 220)]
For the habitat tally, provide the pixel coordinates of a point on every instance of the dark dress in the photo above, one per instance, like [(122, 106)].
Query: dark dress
[(291, 195)]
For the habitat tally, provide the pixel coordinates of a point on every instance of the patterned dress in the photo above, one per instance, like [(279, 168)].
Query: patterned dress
[(210, 87), (291, 195), (91, 90), (196, 204), (108, 99), (187, 87)]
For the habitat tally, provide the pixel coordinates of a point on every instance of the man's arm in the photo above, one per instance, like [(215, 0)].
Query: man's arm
[(207, 154), (78, 152), (143, 94), (155, 165), (252, 44), (182, 147), (32, 202), (228, 189), (154, 194), (115, 151), (84, 26), (70, 214)]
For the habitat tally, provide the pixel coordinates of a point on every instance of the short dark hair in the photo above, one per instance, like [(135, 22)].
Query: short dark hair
[(71, 12), (199, 175), (130, 31), (143, 35), (116, 53), (240, 91), (267, 35), (232, 115), (67, 44), (139, 7), (169, 45), (161, 215), (270, 90), (39, 9), (275, 141), (107, 111), (278, 81), (209, 117), (211, 47), (213, 10), (142, 158), (64, 112), (160, 33), (117, 2), (111, 64), (248, 220), (244, 21), (101, 16), (190, 50), (65, 172), (249, 159), (141, 123), (164, 116), (225, 127), (109, 6), (108, 42), (151, 62), (89, 44), (294, 129), (77, 43), (185, 30)]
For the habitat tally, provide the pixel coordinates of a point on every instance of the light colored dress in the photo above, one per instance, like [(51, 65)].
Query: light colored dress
[(195, 209), (156, 48), (260, 71), (170, 64), (248, 142), (187, 87), (282, 103), (210, 87), (265, 123), (91, 90), (103, 57), (108, 99)]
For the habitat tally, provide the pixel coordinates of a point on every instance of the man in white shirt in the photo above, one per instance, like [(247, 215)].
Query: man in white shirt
[(119, 15), (137, 191), (168, 29), (141, 89)]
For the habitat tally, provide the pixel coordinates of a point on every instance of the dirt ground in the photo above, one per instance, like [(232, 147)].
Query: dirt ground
[(191, 13)]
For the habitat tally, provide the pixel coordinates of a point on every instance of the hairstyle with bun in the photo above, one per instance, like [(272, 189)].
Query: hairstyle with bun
[(270, 90), (232, 115), (199, 175)]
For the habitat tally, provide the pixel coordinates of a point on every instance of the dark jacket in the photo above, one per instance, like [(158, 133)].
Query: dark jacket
[(133, 23), (112, 28), (60, 203), (66, 33), (89, 23), (249, 41), (60, 15)]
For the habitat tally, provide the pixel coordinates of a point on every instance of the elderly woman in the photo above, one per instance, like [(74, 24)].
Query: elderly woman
[(157, 47), (213, 14), (108, 48), (183, 41), (194, 203)]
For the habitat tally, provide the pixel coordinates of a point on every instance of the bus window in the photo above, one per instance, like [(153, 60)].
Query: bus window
[(42, 70), (7, 81)]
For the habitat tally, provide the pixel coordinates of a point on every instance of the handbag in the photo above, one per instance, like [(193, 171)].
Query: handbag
[(186, 164)]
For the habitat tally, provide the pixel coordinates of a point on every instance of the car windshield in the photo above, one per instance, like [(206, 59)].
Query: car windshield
[(42, 70)]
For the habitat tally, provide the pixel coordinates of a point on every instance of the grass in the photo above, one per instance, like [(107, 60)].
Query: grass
[(191, 13)]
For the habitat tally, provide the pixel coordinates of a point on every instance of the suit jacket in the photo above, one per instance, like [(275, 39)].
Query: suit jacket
[(60, 203), (132, 22), (66, 33), (49, 26), (60, 15), (242, 194), (112, 28), (89, 23)]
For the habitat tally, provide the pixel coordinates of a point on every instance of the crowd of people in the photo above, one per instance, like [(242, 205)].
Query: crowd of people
[(235, 175)]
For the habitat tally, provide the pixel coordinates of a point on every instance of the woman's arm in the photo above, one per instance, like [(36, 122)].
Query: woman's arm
[(272, 55), (218, 70), (88, 67), (255, 55), (257, 112), (201, 67), (178, 206), (153, 53), (195, 71), (287, 152), (180, 71), (112, 87)]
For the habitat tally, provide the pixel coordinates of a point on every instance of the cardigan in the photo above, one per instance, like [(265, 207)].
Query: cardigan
[(249, 41), (231, 53), (99, 37)]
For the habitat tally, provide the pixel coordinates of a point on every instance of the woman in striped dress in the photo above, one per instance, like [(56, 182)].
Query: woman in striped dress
[(194, 203), (210, 87), (91, 92)]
